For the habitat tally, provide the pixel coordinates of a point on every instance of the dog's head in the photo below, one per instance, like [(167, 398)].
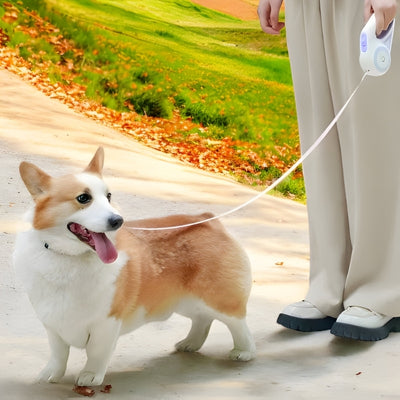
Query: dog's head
[(74, 212)]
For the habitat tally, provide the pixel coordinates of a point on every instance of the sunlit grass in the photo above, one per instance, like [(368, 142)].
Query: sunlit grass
[(155, 56)]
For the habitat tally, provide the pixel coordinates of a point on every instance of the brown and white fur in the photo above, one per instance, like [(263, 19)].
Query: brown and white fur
[(88, 288)]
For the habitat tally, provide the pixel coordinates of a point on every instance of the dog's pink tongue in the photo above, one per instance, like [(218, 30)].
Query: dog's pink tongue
[(104, 248)]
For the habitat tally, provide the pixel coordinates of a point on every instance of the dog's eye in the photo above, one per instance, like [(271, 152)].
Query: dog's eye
[(109, 197), (84, 198)]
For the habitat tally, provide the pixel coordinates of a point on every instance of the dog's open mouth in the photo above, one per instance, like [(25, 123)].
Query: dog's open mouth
[(99, 242)]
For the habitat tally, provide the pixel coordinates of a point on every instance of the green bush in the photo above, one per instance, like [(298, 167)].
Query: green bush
[(151, 103), (294, 187)]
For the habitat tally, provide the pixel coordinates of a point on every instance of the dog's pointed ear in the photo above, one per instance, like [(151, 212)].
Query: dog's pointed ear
[(36, 180), (96, 165)]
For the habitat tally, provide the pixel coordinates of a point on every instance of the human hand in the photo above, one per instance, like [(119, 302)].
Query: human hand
[(268, 13), (385, 11)]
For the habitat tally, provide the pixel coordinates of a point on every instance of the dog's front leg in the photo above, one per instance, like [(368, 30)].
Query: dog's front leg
[(100, 346), (55, 368)]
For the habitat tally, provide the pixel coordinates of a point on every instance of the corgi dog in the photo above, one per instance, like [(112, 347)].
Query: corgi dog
[(90, 278)]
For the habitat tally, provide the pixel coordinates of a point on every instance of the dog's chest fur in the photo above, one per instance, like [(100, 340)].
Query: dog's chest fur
[(68, 293)]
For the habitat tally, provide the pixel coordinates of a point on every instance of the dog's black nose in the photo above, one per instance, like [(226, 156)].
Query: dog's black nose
[(115, 221)]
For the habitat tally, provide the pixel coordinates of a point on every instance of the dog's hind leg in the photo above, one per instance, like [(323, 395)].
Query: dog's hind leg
[(243, 344), (197, 335)]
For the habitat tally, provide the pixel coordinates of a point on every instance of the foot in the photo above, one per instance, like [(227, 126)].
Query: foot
[(52, 373), (189, 346), (304, 317), (241, 355), (361, 323), (87, 378)]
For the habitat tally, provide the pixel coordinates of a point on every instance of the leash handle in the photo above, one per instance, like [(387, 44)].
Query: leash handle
[(277, 181), (375, 50)]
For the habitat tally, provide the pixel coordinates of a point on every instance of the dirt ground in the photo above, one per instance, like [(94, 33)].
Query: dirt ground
[(245, 10)]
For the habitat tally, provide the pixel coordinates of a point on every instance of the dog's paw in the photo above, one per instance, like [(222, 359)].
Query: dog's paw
[(186, 345), (241, 355), (51, 373), (87, 378)]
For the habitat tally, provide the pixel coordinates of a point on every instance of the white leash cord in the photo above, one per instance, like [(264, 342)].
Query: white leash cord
[(273, 184)]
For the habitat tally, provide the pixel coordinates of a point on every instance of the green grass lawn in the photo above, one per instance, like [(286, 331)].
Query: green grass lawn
[(156, 56)]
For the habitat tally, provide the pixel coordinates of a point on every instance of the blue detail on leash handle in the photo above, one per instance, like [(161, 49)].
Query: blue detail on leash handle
[(375, 50), (374, 60)]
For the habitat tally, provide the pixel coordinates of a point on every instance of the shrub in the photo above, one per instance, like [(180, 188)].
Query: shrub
[(206, 115), (151, 103)]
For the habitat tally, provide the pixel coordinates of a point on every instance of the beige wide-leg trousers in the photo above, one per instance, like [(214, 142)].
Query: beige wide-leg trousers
[(353, 179)]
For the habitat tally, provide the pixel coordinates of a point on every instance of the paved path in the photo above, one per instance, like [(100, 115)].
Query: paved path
[(146, 183)]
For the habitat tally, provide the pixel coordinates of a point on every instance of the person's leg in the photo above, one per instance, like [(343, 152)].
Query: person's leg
[(330, 247), (370, 140)]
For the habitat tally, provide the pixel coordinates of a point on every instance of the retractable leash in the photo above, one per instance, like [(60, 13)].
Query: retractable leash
[(374, 60), (375, 50)]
